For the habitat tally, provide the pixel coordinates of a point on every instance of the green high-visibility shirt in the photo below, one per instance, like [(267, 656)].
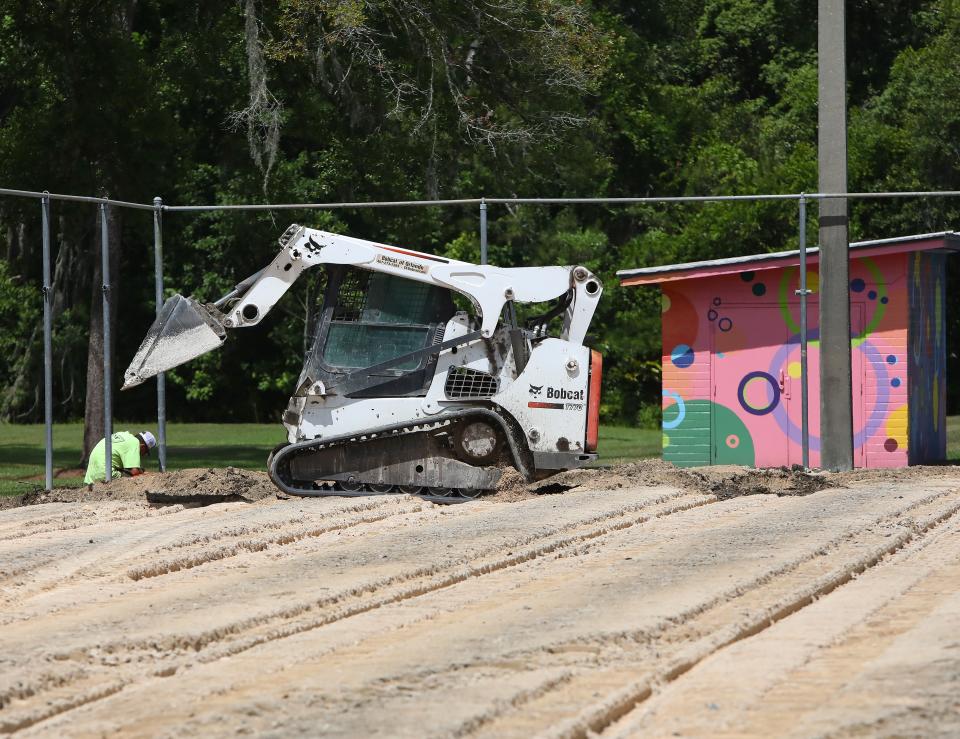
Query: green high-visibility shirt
[(124, 451)]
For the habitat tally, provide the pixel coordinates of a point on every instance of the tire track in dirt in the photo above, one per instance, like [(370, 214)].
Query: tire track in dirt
[(32, 521), (776, 598), (237, 541), (413, 679), (425, 579), (624, 651), (852, 663), (238, 636), (571, 670), (128, 544), (53, 539), (60, 701), (430, 580)]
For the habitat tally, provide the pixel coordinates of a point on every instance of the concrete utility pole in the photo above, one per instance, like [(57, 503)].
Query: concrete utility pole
[(836, 402)]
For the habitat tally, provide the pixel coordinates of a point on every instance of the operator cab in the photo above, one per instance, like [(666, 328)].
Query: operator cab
[(368, 319)]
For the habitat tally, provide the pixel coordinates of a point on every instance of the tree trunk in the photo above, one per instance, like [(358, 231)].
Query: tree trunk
[(70, 275), (14, 398), (93, 426), (93, 412)]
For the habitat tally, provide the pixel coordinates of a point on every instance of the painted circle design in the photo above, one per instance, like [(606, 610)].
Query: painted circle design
[(880, 310), (774, 387), (788, 277), (681, 410), (891, 445), (872, 295), (682, 356), (716, 301), (711, 315), (895, 382), (857, 285), (891, 359), (878, 415), (759, 289), (733, 441), (746, 276), (725, 324), (789, 280)]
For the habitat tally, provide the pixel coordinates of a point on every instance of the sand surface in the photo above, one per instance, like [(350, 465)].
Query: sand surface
[(637, 601)]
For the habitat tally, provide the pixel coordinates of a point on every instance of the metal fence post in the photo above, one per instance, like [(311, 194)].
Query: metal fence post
[(803, 292), (47, 343), (107, 399), (483, 231), (158, 290)]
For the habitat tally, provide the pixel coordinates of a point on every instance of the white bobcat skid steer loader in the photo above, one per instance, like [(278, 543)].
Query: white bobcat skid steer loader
[(402, 392)]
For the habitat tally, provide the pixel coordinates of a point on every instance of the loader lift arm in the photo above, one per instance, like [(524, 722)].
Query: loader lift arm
[(186, 330), (489, 287)]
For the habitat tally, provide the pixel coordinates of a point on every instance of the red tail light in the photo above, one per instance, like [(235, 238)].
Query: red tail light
[(593, 400)]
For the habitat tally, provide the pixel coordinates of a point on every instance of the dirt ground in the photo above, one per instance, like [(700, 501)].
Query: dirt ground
[(207, 486), (641, 600)]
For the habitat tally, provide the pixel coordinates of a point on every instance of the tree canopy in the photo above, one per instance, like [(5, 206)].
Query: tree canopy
[(322, 101)]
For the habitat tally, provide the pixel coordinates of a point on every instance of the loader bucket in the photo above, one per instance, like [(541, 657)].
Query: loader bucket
[(183, 331)]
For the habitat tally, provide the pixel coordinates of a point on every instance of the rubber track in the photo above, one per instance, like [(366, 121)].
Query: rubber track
[(286, 483)]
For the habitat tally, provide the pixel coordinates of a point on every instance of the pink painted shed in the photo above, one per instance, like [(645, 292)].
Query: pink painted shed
[(731, 355)]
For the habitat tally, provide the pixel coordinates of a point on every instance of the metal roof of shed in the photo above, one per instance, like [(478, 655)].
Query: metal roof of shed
[(948, 240)]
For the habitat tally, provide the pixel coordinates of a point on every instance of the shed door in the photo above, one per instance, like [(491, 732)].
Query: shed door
[(748, 386), (791, 364)]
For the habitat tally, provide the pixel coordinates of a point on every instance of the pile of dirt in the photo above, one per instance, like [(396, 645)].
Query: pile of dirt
[(778, 481), (207, 486), (724, 481), (189, 487)]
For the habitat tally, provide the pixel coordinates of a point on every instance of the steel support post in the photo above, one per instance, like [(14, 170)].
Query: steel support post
[(483, 232), (158, 292), (803, 292), (107, 389), (47, 344), (836, 398)]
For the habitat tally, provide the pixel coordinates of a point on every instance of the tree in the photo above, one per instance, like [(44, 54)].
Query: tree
[(315, 100)]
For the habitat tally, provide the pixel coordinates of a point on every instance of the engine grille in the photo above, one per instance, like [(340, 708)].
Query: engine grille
[(463, 382)]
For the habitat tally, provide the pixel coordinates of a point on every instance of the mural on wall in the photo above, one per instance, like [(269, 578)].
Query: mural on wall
[(731, 366), (927, 357)]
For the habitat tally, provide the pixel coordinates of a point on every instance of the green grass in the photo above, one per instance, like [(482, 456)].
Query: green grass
[(188, 445), (953, 439), (248, 444), (624, 444), (213, 445)]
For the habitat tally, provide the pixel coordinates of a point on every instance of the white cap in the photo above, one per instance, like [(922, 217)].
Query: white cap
[(149, 439)]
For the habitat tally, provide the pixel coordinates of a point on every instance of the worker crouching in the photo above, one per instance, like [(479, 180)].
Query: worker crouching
[(125, 452)]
